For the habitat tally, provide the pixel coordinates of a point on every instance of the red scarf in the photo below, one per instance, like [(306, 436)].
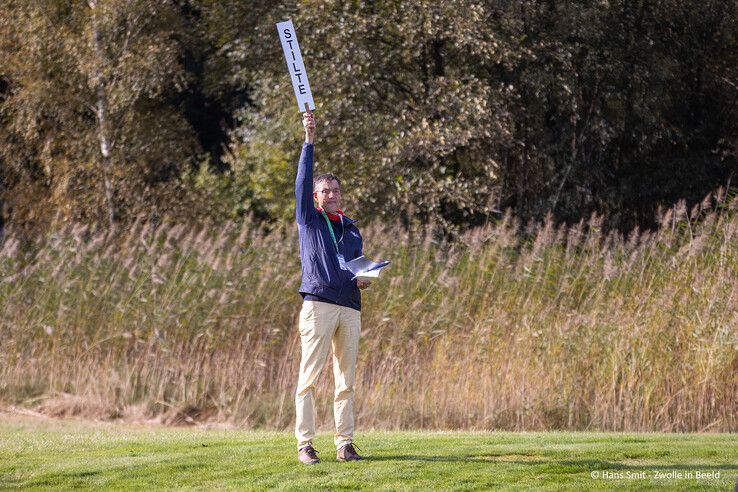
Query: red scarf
[(332, 216)]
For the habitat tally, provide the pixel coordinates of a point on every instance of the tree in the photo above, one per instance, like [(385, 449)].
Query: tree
[(403, 106), (621, 107), (434, 111), (89, 117)]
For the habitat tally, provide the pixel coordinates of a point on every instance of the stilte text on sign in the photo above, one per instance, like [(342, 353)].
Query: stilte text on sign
[(296, 67)]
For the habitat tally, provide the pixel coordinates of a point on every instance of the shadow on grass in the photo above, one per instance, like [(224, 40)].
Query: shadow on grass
[(408, 457)]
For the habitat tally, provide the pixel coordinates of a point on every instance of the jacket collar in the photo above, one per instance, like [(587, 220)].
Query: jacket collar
[(347, 220)]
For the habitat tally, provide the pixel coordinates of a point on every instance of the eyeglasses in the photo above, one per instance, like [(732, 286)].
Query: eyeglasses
[(328, 191)]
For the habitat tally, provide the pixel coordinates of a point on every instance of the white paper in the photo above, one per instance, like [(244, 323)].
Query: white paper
[(364, 269), (296, 67)]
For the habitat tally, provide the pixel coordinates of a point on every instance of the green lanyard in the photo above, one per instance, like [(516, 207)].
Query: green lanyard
[(330, 229)]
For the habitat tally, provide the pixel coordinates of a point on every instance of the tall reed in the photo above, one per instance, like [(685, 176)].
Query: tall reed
[(559, 328)]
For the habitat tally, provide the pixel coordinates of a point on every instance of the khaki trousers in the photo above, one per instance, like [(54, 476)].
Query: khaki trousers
[(323, 325)]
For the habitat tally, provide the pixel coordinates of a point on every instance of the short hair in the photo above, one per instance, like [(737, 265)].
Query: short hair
[(325, 177)]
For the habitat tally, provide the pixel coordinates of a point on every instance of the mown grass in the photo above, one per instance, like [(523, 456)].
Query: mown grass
[(64, 455), (548, 328)]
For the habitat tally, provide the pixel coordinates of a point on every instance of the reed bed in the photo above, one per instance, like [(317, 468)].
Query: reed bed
[(506, 327)]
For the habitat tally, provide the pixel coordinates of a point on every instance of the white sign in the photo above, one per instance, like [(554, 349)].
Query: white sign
[(295, 65)]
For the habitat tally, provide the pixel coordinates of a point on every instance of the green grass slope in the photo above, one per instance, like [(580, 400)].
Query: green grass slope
[(46, 454)]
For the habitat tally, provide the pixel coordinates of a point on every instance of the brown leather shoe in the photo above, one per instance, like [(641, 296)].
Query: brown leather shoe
[(308, 455), (348, 453)]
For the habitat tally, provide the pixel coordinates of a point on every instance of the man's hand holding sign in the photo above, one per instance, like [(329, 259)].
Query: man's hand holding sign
[(330, 244), (308, 121)]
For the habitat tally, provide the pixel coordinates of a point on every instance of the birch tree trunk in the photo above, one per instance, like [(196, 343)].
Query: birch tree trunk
[(104, 128)]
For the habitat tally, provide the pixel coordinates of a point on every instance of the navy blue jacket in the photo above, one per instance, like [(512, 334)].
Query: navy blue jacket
[(321, 274)]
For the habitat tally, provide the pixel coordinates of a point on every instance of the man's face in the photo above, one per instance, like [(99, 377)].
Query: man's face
[(328, 195)]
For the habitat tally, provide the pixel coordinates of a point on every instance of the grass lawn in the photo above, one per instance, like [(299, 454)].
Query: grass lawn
[(39, 453)]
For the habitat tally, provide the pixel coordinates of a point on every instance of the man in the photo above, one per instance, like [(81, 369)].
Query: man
[(330, 314)]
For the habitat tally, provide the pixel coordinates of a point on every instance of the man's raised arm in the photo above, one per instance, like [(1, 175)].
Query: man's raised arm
[(304, 180)]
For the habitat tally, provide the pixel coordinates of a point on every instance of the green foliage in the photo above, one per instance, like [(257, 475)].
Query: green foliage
[(436, 112), (401, 117), (549, 108), (87, 108), (264, 163)]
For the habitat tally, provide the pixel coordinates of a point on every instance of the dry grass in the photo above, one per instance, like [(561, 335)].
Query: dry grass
[(563, 328)]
